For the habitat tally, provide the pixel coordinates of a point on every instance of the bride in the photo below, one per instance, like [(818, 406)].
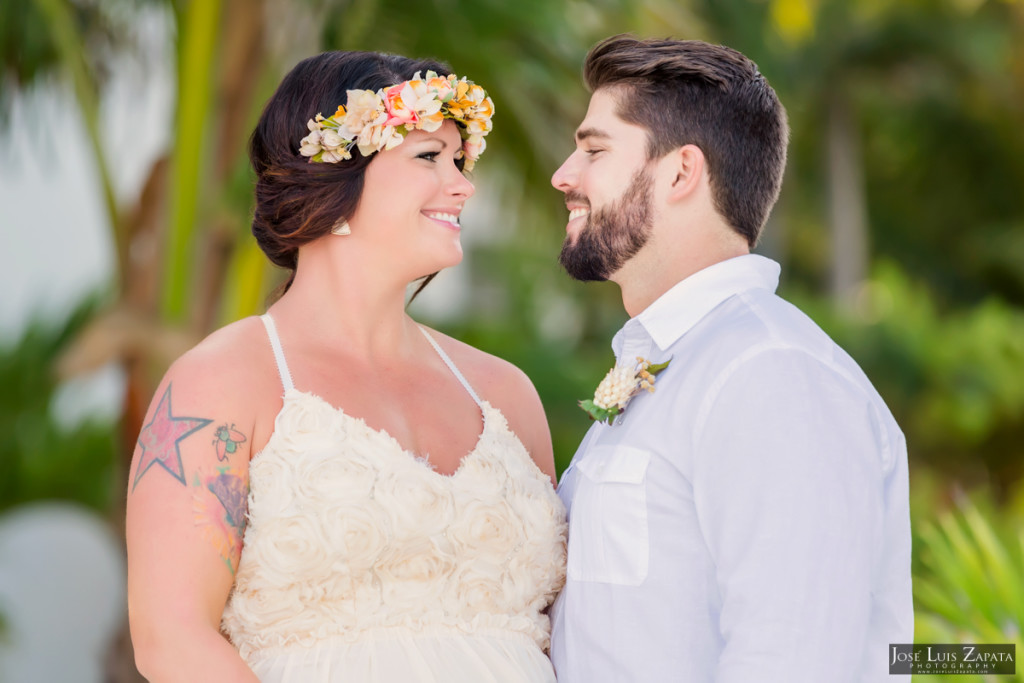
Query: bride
[(331, 491)]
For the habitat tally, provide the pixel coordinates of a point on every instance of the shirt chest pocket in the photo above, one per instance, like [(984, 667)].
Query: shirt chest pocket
[(608, 531)]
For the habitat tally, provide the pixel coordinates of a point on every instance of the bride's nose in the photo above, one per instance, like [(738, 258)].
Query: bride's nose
[(459, 185)]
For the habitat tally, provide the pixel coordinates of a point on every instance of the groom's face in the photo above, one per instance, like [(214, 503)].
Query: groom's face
[(607, 185)]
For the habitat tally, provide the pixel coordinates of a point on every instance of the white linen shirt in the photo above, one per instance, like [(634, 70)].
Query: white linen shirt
[(747, 522)]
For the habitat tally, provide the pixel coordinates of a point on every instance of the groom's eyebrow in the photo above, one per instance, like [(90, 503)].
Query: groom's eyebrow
[(585, 133)]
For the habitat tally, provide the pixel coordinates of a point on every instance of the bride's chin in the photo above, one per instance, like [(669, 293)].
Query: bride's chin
[(453, 258), (441, 265)]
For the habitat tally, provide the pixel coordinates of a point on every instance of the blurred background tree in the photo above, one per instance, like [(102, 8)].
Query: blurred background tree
[(900, 226)]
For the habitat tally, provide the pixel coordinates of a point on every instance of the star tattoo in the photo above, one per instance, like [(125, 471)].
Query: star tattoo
[(160, 440)]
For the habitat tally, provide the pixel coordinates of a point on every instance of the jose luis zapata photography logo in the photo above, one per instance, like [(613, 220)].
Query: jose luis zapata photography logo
[(935, 658)]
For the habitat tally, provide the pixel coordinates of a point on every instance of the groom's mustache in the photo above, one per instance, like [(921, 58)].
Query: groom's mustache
[(576, 197)]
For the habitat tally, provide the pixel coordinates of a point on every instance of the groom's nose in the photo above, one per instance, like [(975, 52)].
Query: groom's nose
[(567, 176)]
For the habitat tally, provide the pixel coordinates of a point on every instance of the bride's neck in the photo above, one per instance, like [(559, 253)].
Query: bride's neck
[(351, 305)]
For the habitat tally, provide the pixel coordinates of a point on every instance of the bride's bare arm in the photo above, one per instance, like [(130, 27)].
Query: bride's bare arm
[(187, 493)]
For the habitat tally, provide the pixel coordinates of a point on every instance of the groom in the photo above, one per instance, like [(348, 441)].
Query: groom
[(748, 521)]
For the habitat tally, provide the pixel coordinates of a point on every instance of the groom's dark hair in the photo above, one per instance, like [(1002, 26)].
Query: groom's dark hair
[(690, 92)]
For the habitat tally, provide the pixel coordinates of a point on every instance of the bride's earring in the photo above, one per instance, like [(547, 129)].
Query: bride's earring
[(341, 228)]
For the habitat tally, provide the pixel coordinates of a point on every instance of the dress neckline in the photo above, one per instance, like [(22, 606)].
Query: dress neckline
[(292, 394), (289, 388), (485, 408)]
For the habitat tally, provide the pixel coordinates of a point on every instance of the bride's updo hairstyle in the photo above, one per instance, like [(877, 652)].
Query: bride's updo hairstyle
[(298, 201)]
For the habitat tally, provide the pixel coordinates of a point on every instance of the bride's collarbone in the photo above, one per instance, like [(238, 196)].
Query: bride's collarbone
[(432, 416)]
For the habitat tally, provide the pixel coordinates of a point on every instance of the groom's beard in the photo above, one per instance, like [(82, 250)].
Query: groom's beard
[(612, 235)]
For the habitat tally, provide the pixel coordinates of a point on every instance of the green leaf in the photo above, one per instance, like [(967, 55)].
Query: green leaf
[(597, 413), (655, 368)]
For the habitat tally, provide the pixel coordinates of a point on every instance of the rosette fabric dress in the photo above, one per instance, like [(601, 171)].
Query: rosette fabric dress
[(362, 564)]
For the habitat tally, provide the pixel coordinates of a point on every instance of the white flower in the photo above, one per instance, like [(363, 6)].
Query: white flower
[(353, 531), (540, 565), (487, 477), (619, 386), (418, 503), (267, 608), (395, 140), (270, 484), (479, 588), (616, 388), (310, 145), (487, 529), (542, 512), (330, 472), (334, 156), (305, 417), (414, 573), (331, 140), (365, 109), (373, 138), (287, 548)]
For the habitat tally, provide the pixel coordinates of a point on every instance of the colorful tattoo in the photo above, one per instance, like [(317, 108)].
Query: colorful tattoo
[(219, 502), (160, 440), (227, 440)]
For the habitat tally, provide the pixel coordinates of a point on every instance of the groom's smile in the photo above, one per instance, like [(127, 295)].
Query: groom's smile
[(579, 210)]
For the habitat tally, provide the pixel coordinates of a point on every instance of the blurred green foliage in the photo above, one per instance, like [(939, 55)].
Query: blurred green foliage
[(968, 587), (40, 458)]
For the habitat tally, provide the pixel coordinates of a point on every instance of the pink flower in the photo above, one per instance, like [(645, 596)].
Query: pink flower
[(473, 147), (399, 113)]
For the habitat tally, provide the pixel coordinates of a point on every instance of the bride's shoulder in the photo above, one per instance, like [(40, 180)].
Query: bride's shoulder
[(488, 374), (235, 355), (227, 346)]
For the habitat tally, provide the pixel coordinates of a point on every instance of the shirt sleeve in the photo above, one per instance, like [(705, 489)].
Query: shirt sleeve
[(788, 485)]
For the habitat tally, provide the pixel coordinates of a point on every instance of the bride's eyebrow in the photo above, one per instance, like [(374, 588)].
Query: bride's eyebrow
[(442, 141)]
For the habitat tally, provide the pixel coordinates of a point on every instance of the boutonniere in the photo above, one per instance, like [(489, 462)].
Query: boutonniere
[(619, 386)]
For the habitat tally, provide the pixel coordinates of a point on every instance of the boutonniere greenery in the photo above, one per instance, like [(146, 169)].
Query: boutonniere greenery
[(619, 386)]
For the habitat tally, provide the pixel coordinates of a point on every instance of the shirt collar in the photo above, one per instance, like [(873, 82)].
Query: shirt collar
[(676, 311)]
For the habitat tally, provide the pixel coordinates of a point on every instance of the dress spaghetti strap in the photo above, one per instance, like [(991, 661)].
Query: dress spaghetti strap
[(275, 343), (286, 375), (451, 366)]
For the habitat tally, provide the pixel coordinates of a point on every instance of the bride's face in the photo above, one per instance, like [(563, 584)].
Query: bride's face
[(412, 198)]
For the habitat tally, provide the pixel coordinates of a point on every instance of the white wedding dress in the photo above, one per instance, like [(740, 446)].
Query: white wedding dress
[(362, 564)]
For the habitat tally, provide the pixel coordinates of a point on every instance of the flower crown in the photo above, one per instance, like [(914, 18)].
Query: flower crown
[(373, 121)]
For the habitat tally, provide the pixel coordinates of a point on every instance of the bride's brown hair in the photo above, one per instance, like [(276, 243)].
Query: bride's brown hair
[(298, 201)]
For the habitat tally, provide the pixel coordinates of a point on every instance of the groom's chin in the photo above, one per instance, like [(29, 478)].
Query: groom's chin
[(580, 264)]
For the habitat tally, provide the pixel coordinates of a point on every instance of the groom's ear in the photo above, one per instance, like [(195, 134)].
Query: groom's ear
[(686, 169)]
